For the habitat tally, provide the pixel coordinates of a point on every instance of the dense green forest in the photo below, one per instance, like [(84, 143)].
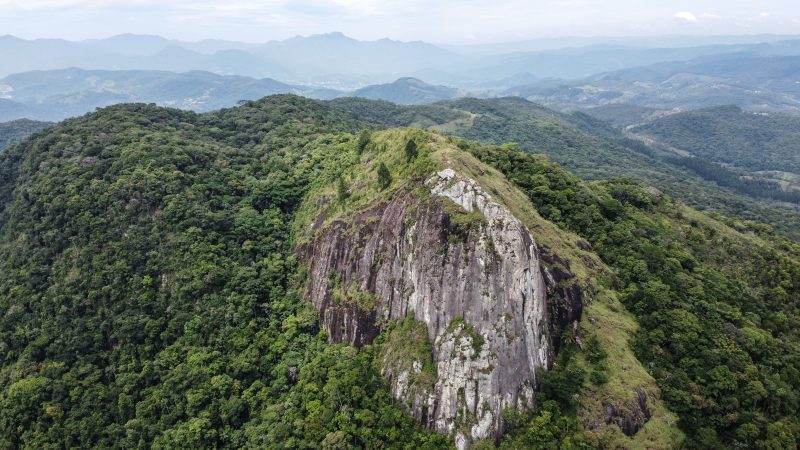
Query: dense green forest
[(149, 292), (146, 290), (719, 310), (742, 182), (726, 134), (588, 147), (14, 131)]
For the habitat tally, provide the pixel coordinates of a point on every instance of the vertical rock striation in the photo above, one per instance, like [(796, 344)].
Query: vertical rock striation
[(459, 263)]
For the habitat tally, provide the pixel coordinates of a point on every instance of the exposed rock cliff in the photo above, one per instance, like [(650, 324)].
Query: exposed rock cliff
[(447, 254)]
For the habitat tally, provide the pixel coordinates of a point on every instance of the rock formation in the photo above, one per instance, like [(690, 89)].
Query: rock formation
[(448, 255)]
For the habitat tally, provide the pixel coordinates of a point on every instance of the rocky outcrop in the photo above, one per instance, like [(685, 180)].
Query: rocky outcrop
[(455, 260), (565, 297), (630, 416)]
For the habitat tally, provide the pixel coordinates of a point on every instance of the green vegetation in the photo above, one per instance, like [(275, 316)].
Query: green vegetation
[(384, 176), (365, 301), (718, 308), (16, 130), (341, 190), (588, 147), (150, 296), (148, 289), (363, 141), (405, 346), (726, 134), (411, 150), (461, 328), (460, 221)]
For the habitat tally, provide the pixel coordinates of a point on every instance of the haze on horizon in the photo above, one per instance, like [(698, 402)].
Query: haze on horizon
[(446, 21)]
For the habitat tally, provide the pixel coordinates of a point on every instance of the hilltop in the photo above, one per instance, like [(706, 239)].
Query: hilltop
[(232, 279)]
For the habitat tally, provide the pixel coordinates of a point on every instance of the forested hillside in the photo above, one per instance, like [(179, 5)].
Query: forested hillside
[(14, 131), (762, 145), (718, 308), (588, 147), (151, 295), (146, 289)]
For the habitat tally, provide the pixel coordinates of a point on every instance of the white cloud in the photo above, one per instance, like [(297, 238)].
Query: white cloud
[(685, 16), (710, 16), (764, 14)]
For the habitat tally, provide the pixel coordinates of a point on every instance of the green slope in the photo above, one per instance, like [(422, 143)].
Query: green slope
[(718, 308), (146, 289), (149, 292), (586, 146), (754, 141), (17, 130)]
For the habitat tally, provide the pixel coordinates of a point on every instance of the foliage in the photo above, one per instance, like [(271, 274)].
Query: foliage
[(411, 150), (16, 130), (718, 309), (341, 190), (363, 141), (384, 176), (584, 145), (149, 296), (726, 134)]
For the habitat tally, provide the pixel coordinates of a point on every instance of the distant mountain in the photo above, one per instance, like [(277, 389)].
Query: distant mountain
[(335, 56), (408, 91), (754, 82), (129, 52), (14, 131), (144, 45), (772, 72), (336, 61), (581, 62), (667, 41), (330, 57), (55, 95)]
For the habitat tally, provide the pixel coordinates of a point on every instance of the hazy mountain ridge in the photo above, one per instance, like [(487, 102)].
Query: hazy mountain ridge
[(344, 63), (318, 57), (58, 94), (407, 91), (748, 80)]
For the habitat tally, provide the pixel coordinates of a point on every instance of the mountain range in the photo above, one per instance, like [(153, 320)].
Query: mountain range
[(57, 94), (745, 79), (340, 62)]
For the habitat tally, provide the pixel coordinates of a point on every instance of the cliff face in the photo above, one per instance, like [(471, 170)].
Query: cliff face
[(448, 255)]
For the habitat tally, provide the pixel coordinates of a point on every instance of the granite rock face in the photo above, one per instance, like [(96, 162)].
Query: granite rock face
[(448, 255)]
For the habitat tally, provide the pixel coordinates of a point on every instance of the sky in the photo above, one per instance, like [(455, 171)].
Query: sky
[(439, 21)]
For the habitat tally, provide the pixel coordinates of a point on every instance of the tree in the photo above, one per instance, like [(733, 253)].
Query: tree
[(363, 141), (411, 150), (341, 190), (384, 176)]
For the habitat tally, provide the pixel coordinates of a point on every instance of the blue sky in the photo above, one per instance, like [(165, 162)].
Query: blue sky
[(442, 21)]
